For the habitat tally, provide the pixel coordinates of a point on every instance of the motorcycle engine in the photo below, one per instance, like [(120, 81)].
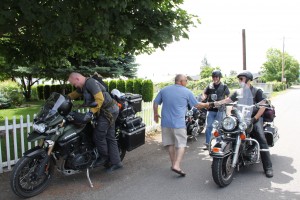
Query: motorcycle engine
[(80, 160), (251, 153)]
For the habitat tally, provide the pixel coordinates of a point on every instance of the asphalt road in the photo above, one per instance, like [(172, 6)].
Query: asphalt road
[(147, 176)]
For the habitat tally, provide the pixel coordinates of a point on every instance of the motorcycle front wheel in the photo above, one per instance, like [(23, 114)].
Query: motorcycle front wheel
[(24, 180), (222, 171)]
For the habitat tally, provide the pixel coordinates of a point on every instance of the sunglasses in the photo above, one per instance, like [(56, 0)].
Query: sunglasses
[(241, 78)]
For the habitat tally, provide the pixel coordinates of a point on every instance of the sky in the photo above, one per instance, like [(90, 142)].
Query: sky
[(219, 37)]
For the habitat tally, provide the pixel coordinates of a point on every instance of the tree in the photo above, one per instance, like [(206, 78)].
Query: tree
[(49, 37), (36, 31), (272, 68)]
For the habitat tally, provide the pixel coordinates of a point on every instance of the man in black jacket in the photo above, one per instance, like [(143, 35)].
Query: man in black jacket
[(245, 77), (106, 113)]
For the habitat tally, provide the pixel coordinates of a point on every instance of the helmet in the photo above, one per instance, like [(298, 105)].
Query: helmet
[(65, 108), (247, 74), (216, 73)]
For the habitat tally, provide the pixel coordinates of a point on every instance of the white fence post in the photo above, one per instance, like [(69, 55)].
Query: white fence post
[(15, 138), (7, 144), (22, 134), (28, 130)]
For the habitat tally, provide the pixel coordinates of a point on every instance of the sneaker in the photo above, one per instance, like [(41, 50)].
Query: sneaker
[(114, 167)]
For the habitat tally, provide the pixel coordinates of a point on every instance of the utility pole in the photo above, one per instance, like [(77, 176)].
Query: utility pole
[(244, 49), (282, 73)]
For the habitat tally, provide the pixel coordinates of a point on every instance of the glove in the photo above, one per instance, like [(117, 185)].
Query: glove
[(253, 120), (88, 117)]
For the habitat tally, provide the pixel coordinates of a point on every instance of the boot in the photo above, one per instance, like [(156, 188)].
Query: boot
[(267, 164)]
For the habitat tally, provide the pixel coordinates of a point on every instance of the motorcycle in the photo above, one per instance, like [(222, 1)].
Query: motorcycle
[(232, 146), (195, 121), (66, 142)]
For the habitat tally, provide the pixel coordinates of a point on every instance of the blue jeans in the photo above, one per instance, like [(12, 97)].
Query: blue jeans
[(211, 116)]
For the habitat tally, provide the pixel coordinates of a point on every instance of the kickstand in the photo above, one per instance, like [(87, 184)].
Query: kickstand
[(88, 177)]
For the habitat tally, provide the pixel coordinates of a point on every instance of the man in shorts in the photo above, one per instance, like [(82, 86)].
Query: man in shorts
[(175, 99)]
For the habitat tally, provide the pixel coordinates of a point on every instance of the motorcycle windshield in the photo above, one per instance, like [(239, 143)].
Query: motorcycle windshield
[(244, 104), (50, 107)]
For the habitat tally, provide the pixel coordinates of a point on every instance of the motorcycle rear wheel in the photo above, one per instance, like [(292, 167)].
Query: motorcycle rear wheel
[(222, 170), (24, 181)]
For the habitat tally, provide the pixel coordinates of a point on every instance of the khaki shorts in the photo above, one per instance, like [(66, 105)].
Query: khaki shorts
[(174, 136)]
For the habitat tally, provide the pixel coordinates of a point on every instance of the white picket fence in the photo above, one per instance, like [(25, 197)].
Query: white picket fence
[(18, 129)]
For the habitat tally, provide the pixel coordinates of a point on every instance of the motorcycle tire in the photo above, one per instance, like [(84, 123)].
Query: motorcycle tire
[(24, 181), (222, 170)]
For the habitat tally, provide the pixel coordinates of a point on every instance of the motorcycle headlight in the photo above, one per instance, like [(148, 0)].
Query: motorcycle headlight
[(243, 126), (215, 124), (39, 127), (229, 123)]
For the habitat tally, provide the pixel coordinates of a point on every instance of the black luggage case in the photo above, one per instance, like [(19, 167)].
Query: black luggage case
[(132, 123), (134, 137), (271, 134), (134, 100)]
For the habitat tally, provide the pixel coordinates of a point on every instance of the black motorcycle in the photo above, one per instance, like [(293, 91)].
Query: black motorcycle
[(65, 141), (195, 121), (233, 146)]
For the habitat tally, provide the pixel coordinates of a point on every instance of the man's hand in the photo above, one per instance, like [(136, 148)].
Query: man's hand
[(88, 117), (253, 120), (156, 116)]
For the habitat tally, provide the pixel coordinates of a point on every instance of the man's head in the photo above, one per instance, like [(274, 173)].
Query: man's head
[(181, 79), (77, 80), (216, 76), (245, 76)]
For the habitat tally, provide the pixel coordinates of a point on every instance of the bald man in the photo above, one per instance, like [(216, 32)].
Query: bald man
[(175, 99), (106, 113)]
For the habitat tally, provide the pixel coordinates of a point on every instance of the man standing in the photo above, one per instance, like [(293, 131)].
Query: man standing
[(106, 113), (215, 91), (175, 99)]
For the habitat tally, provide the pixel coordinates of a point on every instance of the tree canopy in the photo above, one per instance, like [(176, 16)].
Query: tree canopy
[(272, 68), (44, 39), (34, 31)]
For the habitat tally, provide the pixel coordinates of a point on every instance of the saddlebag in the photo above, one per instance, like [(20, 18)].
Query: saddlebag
[(134, 137), (134, 100), (126, 112), (271, 134)]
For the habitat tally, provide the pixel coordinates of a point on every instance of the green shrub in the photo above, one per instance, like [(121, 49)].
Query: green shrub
[(46, 91), (106, 82), (137, 86), (129, 86), (147, 90), (58, 88), (121, 85), (112, 85), (40, 91), (12, 91), (52, 88), (34, 93)]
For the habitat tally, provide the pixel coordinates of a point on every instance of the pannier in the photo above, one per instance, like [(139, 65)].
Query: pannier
[(134, 137), (134, 100), (271, 133)]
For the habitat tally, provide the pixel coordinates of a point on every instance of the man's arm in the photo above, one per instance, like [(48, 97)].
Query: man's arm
[(155, 111), (74, 95)]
